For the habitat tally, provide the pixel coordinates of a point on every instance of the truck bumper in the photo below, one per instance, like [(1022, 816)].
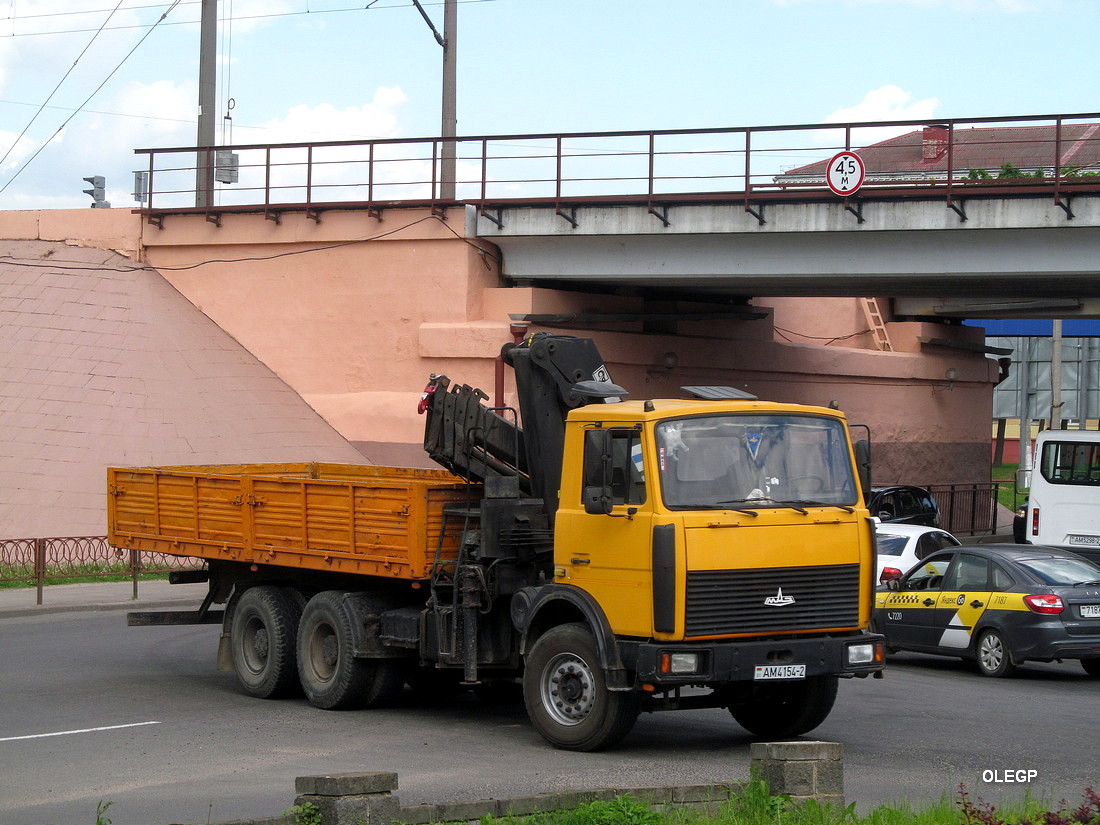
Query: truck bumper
[(738, 661)]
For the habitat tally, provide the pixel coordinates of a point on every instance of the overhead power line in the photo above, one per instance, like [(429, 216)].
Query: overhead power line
[(369, 6), (58, 86), (87, 99)]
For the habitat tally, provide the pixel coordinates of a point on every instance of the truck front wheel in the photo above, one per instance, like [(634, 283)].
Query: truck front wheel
[(567, 697), (332, 676), (781, 709), (263, 635)]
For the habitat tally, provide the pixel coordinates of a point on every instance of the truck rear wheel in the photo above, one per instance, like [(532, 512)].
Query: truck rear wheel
[(332, 676), (782, 709), (566, 694), (263, 636)]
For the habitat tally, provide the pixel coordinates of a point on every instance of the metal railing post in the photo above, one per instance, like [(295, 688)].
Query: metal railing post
[(135, 567), (40, 566)]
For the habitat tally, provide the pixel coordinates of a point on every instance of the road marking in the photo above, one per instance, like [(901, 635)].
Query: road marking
[(82, 730)]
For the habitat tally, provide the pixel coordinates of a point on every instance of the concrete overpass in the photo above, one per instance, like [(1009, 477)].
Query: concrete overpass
[(711, 213), (1012, 256)]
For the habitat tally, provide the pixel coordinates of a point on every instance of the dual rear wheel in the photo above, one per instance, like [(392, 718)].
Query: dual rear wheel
[(283, 645)]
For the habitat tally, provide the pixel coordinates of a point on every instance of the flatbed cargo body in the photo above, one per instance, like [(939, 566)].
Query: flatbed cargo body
[(344, 518)]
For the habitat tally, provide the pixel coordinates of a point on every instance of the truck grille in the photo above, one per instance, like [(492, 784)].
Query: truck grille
[(726, 602)]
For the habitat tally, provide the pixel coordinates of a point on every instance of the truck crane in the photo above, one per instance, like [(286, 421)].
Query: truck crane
[(612, 556)]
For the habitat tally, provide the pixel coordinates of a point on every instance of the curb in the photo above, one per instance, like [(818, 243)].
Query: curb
[(48, 609)]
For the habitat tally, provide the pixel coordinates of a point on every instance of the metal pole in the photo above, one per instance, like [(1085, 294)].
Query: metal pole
[(450, 99), (204, 158), (1056, 374)]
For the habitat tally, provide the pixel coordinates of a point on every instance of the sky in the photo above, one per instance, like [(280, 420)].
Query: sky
[(83, 83)]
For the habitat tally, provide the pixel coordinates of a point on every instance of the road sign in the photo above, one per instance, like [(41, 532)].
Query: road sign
[(845, 173)]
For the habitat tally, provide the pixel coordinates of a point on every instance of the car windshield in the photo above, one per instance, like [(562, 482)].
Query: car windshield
[(1061, 571), (890, 544), (751, 461)]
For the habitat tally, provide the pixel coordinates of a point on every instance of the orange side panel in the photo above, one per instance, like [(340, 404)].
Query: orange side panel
[(382, 521)]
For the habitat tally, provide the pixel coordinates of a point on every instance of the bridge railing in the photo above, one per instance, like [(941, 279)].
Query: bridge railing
[(752, 163)]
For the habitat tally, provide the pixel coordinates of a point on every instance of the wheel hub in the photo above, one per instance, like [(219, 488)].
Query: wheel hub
[(567, 689)]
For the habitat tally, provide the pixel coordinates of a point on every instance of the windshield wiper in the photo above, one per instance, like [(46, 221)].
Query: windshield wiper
[(764, 500), (1092, 582), (811, 503)]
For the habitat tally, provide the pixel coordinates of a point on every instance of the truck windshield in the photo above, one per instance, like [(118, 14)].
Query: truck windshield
[(752, 460)]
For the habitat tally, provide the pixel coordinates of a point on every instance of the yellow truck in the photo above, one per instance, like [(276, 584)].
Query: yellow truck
[(612, 556)]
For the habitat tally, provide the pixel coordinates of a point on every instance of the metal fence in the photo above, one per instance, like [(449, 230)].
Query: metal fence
[(967, 509), (753, 164), (42, 561)]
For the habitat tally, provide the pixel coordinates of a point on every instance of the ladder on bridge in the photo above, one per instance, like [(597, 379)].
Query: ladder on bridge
[(875, 322)]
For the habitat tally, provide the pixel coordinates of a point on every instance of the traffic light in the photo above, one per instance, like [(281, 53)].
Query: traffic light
[(96, 192)]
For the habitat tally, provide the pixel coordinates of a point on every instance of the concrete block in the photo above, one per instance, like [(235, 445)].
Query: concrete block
[(346, 784), (362, 809), (422, 814), (792, 751), (830, 778), (464, 811)]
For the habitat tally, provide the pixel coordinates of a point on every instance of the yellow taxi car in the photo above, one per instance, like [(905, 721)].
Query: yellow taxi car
[(998, 604)]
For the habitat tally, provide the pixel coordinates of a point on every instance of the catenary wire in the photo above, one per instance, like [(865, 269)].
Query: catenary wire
[(88, 98), (49, 97)]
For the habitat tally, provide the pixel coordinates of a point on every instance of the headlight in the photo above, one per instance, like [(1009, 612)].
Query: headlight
[(680, 663), (861, 654)]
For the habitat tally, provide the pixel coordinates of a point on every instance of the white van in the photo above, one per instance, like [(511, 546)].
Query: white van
[(1063, 507)]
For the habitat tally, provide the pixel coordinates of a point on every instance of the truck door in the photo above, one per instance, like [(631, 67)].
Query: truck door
[(910, 610), (966, 593), (610, 556)]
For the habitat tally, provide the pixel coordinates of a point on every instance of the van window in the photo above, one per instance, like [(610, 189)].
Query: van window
[(1069, 462)]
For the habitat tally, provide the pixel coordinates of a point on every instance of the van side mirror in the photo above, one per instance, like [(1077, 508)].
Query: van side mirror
[(1023, 480)]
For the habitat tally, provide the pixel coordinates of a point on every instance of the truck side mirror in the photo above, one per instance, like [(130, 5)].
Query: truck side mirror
[(863, 464), (597, 501), (597, 473)]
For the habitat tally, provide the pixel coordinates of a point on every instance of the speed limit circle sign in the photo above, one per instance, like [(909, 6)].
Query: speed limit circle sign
[(845, 173)]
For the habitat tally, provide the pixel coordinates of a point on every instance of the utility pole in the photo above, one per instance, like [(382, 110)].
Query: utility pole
[(208, 83), (450, 89), (449, 127), (1056, 374)]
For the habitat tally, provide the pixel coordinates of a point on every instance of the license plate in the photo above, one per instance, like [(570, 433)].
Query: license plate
[(1091, 541), (1090, 611), (779, 672)]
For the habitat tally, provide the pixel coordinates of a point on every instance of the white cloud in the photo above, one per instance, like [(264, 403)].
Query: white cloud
[(886, 103)]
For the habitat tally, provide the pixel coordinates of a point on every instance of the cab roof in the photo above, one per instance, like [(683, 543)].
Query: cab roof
[(660, 408)]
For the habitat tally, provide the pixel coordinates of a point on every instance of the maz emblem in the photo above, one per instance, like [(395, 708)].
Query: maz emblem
[(779, 600)]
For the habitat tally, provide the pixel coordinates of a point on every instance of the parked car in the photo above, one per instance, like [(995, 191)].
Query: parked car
[(900, 546), (998, 604), (904, 504)]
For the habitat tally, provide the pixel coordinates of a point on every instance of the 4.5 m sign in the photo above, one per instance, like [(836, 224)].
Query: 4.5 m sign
[(845, 173)]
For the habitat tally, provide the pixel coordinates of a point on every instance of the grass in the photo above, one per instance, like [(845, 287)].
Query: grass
[(1007, 495), (24, 575), (756, 806)]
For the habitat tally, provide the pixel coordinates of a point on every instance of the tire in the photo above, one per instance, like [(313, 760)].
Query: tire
[(785, 709), (263, 635), (566, 694), (994, 659), (331, 676), (1091, 666)]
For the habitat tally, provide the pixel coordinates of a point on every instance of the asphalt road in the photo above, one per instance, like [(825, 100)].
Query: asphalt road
[(92, 711)]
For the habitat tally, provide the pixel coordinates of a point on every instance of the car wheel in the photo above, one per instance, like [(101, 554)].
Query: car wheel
[(1091, 666), (993, 656)]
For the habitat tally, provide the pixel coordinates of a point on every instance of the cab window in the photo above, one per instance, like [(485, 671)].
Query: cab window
[(627, 475), (929, 543)]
